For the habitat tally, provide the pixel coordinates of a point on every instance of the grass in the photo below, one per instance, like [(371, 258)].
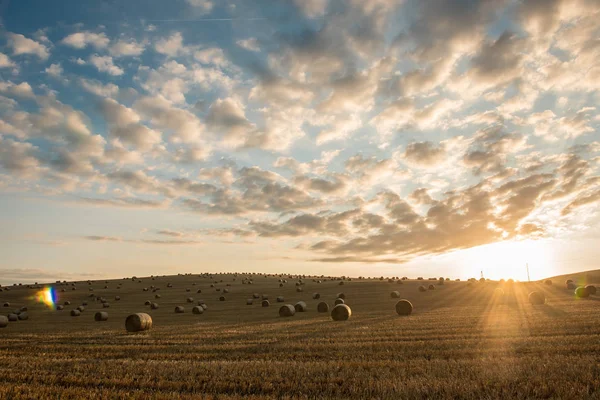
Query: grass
[(460, 342)]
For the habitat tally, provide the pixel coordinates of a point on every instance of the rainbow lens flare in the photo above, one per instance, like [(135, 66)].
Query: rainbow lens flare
[(47, 296)]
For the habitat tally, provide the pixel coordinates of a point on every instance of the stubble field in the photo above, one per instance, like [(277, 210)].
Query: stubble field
[(462, 340)]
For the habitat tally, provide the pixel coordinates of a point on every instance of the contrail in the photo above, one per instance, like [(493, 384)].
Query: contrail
[(204, 20)]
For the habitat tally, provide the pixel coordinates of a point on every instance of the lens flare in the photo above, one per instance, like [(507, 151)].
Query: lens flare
[(47, 296)]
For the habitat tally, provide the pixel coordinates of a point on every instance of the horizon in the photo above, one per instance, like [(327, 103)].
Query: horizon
[(320, 137)]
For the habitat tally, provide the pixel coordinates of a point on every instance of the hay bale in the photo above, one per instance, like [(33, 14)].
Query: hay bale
[(179, 310), (138, 322), (24, 308), (341, 296), (431, 287), (154, 306), (13, 317), (265, 297), (568, 281), (281, 285), (322, 307), (225, 290), (7, 304), (60, 307), (341, 283), (190, 300), (339, 301), (23, 316), (571, 286), (187, 289), (81, 308), (422, 288), (3, 321), (548, 282), (101, 316), (256, 296), (287, 310), (395, 294), (341, 312), (300, 306), (203, 305), (147, 303), (404, 307), (157, 296), (280, 299), (591, 289), (105, 305), (199, 291), (316, 296), (249, 302), (75, 313), (117, 298), (537, 298), (198, 310), (265, 303), (581, 292), (222, 298), (299, 289)]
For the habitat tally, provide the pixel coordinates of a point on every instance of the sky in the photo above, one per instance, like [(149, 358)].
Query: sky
[(356, 137)]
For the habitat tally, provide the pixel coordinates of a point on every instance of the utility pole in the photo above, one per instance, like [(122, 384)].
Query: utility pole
[(527, 266), (481, 274)]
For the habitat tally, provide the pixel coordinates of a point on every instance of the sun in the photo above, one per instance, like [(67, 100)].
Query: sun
[(509, 259)]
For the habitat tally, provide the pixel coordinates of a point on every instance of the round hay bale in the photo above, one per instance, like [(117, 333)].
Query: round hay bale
[(339, 301), (199, 291), (249, 302), (399, 283), (322, 307), (23, 316), (101, 316), (537, 298), (75, 313), (81, 308), (117, 298), (190, 299), (341, 296), (341, 284), (422, 288), (3, 321), (591, 289), (287, 310), (281, 285), (203, 305), (24, 308), (256, 296), (404, 307), (571, 286), (341, 312), (316, 296), (7, 304), (222, 298), (154, 306), (105, 305), (67, 303), (187, 289), (60, 307), (280, 299), (395, 294), (13, 317), (157, 296), (581, 292), (198, 310), (548, 282), (300, 306), (265, 297), (431, 287), (299, 289), (225, 290), (265, 303), (179, 310), (147, 303), (568, 281), (138, 322)]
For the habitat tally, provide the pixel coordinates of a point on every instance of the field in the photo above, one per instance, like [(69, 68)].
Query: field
[(463, 340)]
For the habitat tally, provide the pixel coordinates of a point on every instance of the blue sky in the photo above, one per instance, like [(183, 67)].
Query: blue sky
[(322, 136)]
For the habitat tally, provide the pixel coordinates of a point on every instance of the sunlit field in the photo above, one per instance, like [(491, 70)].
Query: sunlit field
[(462, 340)]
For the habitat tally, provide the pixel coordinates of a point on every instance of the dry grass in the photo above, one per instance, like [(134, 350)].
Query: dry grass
[(459, 342)]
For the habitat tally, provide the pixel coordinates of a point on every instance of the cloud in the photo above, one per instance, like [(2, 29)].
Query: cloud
[(425, 154), (203, 6), (126, 48), (6, 62), (54, 70), (98, 88), (312, 8), (105, 64), (22, 45), (125, 124), (171, 46), (80, 40), (250, 44)]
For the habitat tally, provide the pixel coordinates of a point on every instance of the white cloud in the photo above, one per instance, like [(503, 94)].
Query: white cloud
[(22, 45), (54, 70), (97, 88), (171, 46), (6, 62), (250, 44), (105, 64), (204, 6), (81, 40), (125, 48)]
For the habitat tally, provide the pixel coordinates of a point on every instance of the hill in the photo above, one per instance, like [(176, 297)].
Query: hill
[(582, 278)]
